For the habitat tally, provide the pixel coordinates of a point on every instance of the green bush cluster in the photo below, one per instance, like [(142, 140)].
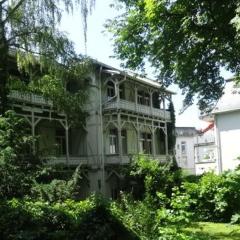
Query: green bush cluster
[(91, 219), (150, 177), (19, 166), (170, 201), (159, 209), (215, 197), (157, 202)]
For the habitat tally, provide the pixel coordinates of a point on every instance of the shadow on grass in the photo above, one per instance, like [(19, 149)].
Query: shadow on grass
[(213, 231)]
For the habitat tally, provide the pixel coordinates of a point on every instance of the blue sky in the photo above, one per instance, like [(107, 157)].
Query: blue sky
[(99, 46)]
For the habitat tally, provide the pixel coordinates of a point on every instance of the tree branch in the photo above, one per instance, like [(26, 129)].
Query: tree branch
[(37, 54), (12, 11), (21, 34), (2, 2)]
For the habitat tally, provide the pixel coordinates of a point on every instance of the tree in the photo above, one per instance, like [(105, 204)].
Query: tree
[(29, 32), (171, 129), (187, 42), (18, 165)]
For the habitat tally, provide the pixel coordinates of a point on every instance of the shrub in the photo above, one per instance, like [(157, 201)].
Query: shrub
[(151, 177), (215, 197), (58, 190), (91, 219), (18, 165)]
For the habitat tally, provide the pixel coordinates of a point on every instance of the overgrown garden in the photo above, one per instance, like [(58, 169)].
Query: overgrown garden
[(160, 203)]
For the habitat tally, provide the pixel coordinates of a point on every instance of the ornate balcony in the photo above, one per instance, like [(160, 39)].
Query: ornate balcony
[(137, 108), (125, 159), (94, 160), (29, 98)]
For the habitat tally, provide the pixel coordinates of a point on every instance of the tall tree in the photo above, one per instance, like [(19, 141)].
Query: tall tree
[(30, 28), (187, 42), (171, 129)]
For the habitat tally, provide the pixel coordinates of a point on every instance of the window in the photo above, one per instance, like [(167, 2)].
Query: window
[(122, 91), (156, 101), (183, 148), (60, 138), (143, 98), (146, 143), (110, 89), (147, 99), (113, 141), (140, 97)]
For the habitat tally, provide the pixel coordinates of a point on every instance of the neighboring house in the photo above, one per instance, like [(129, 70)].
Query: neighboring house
[(185, 140), (127, 115), (227, 121), (196, 150), (205, 150)]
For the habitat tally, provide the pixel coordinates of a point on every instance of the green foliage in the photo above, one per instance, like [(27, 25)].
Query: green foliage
[(57, 190), (152, 177), (169, 204), (137, 215), (53, 81), (18, 165), (150, 222), (162, 209), (187, 42), (30, 37), (215, 197), (91, 219)]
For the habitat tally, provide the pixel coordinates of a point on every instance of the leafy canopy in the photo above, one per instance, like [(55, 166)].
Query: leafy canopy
[(187, 42), (29, 33)]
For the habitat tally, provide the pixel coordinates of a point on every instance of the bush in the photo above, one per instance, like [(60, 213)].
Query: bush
[(150, 177), (137, 215), (215, 197), (91, 219), (58, 190), (18, 165)]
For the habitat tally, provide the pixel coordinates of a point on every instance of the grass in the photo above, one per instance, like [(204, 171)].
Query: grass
[(214, 231)]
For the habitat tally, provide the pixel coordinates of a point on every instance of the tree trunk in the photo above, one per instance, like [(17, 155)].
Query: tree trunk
[(4, 50)]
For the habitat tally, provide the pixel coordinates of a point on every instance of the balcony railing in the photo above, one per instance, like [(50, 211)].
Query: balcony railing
[(29, 98), (116, 159), (72, 160), (138, 108), (93, 160)]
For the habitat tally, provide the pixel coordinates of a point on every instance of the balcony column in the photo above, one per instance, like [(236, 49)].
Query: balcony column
[(119, 134), (65, 125), (136, 97), (138, 137), (33, 132), (33, 124), (165, 127), (67, 143), (117, 92), (151, 100), (153, 140)]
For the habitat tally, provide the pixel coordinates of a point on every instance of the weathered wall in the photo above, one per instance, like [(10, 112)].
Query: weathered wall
[(186, 160), (228, 132)]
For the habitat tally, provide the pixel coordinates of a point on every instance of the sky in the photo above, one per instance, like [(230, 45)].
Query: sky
[(100, 47)]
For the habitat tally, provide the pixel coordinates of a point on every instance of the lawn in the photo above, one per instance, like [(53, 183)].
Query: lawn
[(218, 231)]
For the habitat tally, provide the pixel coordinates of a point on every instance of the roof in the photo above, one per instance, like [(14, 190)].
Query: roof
[(230, 101), (185, 131), (134, 76), (210, 126), (127, 73)]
